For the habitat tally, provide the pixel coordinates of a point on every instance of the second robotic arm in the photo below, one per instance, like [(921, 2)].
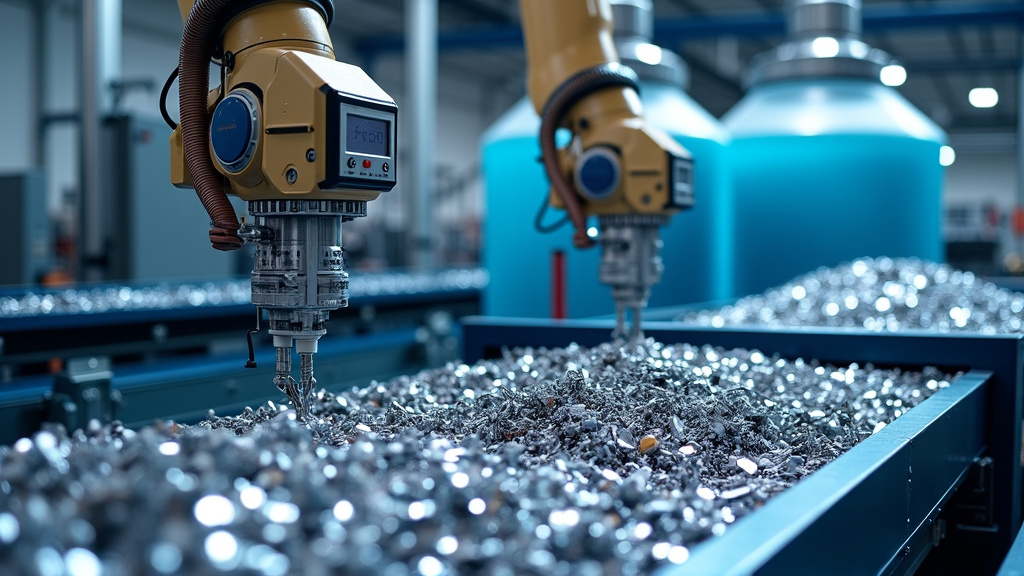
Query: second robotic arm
[(628, 174)]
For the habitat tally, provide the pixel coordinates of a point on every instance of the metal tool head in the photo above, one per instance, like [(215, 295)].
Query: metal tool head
[(630, 265)]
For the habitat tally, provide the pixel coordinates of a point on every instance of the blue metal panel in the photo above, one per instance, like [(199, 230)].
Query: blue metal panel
[(184, 391), (184, 388), (1011, 64), (171, 371), (1013, 565), (875, 19), (1002, 355)]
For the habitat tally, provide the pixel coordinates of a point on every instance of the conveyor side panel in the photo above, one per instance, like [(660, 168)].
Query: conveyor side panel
[(1002, 355)]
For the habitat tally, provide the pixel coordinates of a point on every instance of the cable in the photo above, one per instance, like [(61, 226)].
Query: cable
[(251, 363), (538, 220), (568, 94), (163, 99), (167, 90)]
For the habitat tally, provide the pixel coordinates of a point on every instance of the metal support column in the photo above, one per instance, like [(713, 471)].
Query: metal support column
[(421, 98), (40, 50), (1018, 244), (101, 65)]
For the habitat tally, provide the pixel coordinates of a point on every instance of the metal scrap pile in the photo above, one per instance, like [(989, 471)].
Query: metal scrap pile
[(615, 459), (882, 295)]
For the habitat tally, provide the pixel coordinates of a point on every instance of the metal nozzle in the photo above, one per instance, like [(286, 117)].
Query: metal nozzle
[(306, 382), (283, 367), (283, 378), (632, 331), (298, 277), (630, 264), (300, 393)]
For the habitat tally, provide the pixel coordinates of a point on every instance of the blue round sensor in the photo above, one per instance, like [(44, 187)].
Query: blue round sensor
[(598, 175), (231, 129)]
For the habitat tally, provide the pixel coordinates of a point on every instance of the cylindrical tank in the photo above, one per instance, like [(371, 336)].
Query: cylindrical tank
[(828, 163), (519, 257)]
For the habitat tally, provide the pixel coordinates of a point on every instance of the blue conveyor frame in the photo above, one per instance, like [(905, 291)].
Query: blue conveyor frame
[(183, 389), (1013, 564), (836, 520)]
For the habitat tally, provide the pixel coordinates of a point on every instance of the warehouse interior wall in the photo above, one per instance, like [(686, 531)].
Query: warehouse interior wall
[(151, 33), (16, 71), (983, 177), (466, 107)]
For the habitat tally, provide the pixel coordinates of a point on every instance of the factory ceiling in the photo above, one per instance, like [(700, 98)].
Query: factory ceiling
[(947, 46)]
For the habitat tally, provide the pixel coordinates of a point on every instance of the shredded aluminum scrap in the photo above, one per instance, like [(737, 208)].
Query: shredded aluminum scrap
[(112, 298), (611, 460), (882, 295)]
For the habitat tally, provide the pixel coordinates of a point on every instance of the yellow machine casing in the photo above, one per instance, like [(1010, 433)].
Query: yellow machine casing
[(293, 72), (565, 38)]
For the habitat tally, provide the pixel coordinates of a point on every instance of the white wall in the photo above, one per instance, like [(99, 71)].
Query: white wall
[(62, 95), (151, 33), (17, 138), (979, 177)]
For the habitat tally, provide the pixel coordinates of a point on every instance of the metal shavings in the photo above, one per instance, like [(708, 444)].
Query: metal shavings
[(523, 476), (881, 295), (112, 298)]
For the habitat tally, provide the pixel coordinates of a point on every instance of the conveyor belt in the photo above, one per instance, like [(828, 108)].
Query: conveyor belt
[(968, 548), (39, 330)]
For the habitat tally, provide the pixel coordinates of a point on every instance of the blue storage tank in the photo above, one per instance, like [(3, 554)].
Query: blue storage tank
[(828, 163), (696, 252)]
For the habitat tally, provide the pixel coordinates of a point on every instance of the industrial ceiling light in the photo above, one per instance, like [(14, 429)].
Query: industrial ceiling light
[(983, 97), (947, 155), (649, 54), (893, 75), (825, 47)]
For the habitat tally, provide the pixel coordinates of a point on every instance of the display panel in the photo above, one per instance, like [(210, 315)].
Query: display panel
[(367, 135)]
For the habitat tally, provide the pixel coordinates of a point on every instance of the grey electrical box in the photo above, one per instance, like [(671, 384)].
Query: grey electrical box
[(156, 231), (26, 232)]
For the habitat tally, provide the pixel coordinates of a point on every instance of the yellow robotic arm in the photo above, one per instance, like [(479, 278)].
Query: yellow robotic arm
[(306, 140), (628, 174)]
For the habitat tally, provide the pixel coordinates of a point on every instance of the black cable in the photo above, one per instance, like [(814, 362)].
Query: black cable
[(167, 90), (163, 99), (538, 220), (251, 363)]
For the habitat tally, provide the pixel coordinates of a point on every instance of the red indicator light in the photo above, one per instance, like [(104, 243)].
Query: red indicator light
[(367, 163)]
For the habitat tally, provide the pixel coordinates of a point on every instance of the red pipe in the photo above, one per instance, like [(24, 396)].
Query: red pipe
[(558, 292)]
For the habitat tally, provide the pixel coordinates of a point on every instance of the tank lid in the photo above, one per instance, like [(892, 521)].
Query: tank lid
[(822, 39), (814, 18), (634, 33), (653, 63), (633, 18)]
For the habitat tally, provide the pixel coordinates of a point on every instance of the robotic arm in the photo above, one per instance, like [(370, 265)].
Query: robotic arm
[(305, 140), (628, 174)]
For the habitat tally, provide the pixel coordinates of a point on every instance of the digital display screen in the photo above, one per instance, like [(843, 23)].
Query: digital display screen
[(367, 135)]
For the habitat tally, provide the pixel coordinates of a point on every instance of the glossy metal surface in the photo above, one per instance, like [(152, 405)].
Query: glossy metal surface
[(1003, 355)]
